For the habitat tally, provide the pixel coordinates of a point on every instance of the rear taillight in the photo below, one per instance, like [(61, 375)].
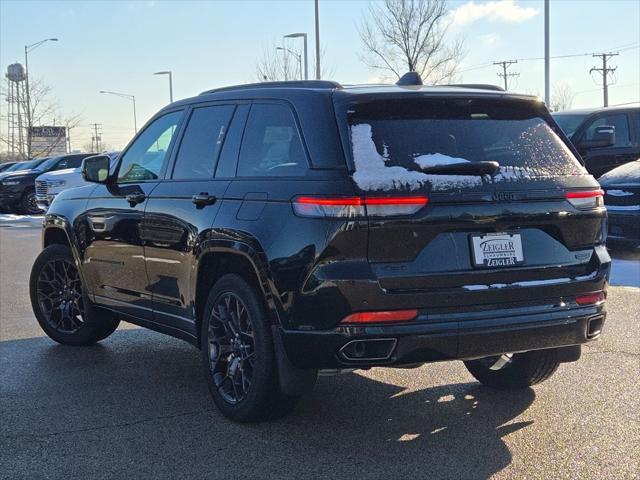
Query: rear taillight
[(585, 200), (348, 207), (380, 317), (590, 298)]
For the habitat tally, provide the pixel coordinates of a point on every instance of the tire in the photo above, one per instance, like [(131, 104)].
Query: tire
[(28, 204), (238, 354), (522, 371), (66, 315)]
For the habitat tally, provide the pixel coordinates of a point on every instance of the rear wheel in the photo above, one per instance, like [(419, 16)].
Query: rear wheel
[(238, 354), (28, 203), (514, 371), (60, 303)]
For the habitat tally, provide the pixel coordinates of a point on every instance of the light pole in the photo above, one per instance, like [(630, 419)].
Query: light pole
[(317, 40), (168, 72), (306, 59), (27, 49), (295, 54), (128, 97)]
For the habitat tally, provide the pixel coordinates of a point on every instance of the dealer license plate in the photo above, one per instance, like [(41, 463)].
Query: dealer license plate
[(497, 250)]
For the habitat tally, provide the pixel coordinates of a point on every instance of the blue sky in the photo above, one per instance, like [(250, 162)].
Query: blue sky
[(117, 45)]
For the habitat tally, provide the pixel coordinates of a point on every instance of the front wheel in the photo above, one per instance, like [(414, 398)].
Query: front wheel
[(514, 371), (238, 354), (29, 205), (60, 303)]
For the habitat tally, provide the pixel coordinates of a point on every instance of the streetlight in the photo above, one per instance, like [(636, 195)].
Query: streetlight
[(128, 97), (168, 72), (295, 54), (306, 59), (27, 49)]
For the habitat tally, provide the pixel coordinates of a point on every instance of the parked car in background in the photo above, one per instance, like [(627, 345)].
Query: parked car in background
[(622, 198), (25, 165), (49, 184), (4, 166), (288, 227), (17, 188), (600, 152)]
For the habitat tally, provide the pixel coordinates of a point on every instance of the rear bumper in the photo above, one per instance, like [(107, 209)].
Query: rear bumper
[(463, 335)]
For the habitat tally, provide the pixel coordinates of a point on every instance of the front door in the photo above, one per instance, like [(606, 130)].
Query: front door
[(601, 160), (114, 258), (180, 213)]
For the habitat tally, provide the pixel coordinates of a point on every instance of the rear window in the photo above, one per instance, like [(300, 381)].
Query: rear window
[(393, 140)]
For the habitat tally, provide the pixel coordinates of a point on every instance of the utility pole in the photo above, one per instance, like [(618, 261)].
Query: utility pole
[(604, 71), (505, 64), (96, 139), (317, 42)]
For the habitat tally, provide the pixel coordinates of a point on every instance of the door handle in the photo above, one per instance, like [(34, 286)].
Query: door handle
[(135, 198), (203, 199)]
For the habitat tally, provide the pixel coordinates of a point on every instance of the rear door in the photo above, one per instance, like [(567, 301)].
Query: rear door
[(180, 212), (453, 232)]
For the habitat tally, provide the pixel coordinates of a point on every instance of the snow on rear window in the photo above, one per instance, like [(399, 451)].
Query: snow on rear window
[(393, 142), (373, 173)]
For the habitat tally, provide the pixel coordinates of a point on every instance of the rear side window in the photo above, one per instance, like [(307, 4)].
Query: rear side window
[(392, 141), (620, 122), (201, 142), (271, 145)]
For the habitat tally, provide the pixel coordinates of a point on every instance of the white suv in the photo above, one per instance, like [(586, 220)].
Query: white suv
[(48, 185)]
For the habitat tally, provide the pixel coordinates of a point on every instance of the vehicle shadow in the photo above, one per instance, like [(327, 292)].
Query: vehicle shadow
[(139, 405)]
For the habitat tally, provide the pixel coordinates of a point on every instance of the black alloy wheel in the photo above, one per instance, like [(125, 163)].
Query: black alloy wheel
[(29, 204), (231, 348), (59, 294), (60, 304)]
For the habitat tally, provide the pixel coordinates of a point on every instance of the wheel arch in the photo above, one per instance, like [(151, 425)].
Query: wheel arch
[(218, 260)]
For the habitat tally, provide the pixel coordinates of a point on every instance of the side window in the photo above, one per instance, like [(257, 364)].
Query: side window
[(144, 159), (75, 161), (201, 142), (271, 145), (622, 128)]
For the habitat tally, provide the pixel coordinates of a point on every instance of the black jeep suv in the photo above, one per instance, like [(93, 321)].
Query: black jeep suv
[(286, 228)]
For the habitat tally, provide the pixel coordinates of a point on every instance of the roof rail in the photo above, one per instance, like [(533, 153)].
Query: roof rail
[(478, 86), (315, 84)]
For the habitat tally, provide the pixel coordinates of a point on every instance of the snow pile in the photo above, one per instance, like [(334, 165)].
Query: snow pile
[(437, 160), (629, 173), (372, 172)]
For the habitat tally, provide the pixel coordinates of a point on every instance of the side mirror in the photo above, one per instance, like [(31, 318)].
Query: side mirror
[(96, 169), (604, 136)]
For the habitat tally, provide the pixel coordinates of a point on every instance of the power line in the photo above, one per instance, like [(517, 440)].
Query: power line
[(604, 71), (622, 48), (506, 64)]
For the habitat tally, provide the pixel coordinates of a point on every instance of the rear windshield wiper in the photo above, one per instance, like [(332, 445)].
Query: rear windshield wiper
[(464, 168)]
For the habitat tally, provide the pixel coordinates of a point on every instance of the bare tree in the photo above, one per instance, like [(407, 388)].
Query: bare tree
[(561, 97), (409, 35), (44, 111), (275, 65)]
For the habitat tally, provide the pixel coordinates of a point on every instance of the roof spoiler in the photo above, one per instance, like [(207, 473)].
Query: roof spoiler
[(478, 86)]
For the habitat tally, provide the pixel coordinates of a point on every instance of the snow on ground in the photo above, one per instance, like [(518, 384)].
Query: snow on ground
[(13, 220)]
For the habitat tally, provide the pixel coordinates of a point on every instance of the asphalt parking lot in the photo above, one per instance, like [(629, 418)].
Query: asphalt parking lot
[(136, 406)]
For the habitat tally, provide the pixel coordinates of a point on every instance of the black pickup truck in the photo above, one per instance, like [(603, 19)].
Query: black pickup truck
[(585, 127)]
